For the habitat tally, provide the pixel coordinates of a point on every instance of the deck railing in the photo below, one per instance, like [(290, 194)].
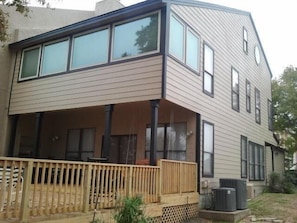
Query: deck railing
[(34, 187)]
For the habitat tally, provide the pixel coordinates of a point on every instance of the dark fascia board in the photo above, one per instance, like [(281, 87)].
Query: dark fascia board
[(92, 23)]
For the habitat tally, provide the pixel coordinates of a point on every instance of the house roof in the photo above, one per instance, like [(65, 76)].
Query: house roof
[(125, 13)]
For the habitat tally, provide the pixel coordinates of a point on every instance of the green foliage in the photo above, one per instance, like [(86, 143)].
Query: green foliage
[(284, 97), (20, 6), (129, 211), (279, 184)]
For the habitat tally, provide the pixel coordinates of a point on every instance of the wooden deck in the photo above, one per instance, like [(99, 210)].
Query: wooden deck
[(50, 187)]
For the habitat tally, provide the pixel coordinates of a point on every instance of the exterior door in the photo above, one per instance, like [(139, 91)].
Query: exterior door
[(123, 149)]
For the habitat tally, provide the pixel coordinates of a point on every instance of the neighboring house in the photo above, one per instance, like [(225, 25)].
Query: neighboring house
[(182, 80)]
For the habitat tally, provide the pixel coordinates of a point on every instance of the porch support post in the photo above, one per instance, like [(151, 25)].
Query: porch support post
[(107, 131), (14, 125), (38, 125), (154, 128)]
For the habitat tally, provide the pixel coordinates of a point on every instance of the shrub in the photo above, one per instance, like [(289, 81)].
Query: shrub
[(129, 211), (278, 184)]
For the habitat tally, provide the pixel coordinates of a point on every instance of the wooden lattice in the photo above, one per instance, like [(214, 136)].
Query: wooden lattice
[(178, 214)]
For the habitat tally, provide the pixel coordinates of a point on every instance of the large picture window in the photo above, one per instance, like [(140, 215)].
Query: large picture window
[(235, 89), (256, 161), (257, 106), (208, 149), (30, 63), (90, 49), (55, 57), (172, 141), (184, 43), (208, 74), (137, 37)]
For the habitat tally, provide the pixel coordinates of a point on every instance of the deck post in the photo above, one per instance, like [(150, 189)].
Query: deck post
[(87, 188), (38, 125), (24, 209), (154, 128), (107, 131)]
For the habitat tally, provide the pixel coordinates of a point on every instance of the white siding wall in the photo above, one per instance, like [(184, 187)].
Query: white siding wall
[(138, 80), (223, 31)]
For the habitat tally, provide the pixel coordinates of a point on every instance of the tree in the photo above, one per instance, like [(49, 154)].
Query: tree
[(21, 6), (284, 97)]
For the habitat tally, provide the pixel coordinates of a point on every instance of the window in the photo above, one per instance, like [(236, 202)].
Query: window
[(137, 37), (257, 106), (257, 55), (208, 149), (55, 57), (184, 43), (248, 95), (192, 56), (245, 40), (270, 115), (30, 63), (177, 38), (235, 89), (172, 141), (256, 161), (80, 144), (90, 49), (244, 157), (208, 70)]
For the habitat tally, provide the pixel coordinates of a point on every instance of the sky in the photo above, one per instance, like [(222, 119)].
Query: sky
[(275, 21)]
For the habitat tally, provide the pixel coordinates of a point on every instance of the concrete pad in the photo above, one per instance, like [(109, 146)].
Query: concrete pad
[(233, 216)]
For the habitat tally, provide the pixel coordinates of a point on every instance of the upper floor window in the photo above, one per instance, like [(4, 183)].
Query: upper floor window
[(258, 106), (184, 43), (136, 37), (130, 39), (30, 63), (54, 57), (270, 115), (235, 89), (248, 95), (245, 40), (208, 149), (85, 54), (208, 74)]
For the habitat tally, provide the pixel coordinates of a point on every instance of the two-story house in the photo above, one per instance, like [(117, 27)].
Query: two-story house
[(181, 80)]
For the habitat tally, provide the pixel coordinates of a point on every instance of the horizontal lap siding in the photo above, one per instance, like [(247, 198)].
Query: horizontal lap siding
[(223, 32), (125, 82)]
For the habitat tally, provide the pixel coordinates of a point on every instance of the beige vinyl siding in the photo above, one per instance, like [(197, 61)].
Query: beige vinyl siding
[(223, 32), (136, 80)]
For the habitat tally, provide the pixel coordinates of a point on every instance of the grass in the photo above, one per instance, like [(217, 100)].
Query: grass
[(281, 206)]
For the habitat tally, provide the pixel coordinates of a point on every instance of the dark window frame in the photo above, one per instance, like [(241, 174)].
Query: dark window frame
[(248, 90), (211, 175), (256, 162), (234, 91), (257, 106), (165, 150), (270, 114), (205, 72), (244, 160)]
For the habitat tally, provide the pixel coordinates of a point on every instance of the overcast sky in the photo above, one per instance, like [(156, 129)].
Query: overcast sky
[(275, 21)]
